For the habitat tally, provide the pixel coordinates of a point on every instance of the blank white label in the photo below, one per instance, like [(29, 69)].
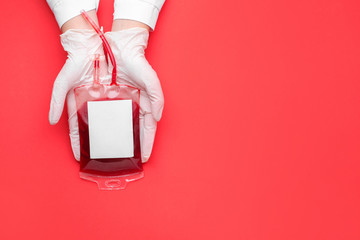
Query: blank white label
[(110, 129)]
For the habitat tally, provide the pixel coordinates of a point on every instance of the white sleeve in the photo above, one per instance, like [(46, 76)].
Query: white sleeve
[(64, 10), (145, 11)]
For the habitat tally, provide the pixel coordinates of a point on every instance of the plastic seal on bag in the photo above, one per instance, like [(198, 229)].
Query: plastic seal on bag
[(111, 183), (108, 119)]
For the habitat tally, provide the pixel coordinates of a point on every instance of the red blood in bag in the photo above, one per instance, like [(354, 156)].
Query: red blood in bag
[(108, 166)]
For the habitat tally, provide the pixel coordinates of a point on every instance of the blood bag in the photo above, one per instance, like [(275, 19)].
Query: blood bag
[(108, 118)]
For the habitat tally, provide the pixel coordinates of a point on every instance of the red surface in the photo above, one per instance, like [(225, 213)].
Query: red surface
[(259, 137)]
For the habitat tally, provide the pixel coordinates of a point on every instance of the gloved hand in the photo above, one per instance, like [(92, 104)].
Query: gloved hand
[(81, 45), (133, 69)]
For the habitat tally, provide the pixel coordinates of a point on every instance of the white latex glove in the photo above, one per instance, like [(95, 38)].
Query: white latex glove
[(81, 45), (133, 69)]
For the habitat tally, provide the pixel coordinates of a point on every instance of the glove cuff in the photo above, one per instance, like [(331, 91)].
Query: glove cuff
[(127, 39), (64, 10), (81, 41)]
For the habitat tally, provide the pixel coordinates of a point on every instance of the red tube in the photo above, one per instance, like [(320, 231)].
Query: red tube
[(106, 45), (96, 68)]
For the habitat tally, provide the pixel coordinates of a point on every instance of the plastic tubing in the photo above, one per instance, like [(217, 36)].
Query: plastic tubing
[(106, 45), (96, 68)]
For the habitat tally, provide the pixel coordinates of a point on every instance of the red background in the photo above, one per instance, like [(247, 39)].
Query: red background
[(259, 138)]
